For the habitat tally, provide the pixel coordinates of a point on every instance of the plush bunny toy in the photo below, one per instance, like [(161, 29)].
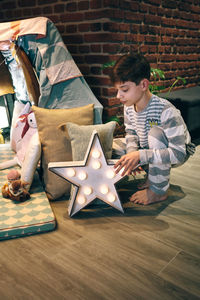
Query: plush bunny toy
[(26, 145), (29, 129), (22, 132)]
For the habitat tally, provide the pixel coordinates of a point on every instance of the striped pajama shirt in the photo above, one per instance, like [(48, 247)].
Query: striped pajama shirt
[(162, 138)]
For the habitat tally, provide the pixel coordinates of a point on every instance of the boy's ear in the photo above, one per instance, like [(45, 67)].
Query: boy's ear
[(144, 84)]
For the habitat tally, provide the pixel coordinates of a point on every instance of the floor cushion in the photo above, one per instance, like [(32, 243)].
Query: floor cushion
[(26, 218)]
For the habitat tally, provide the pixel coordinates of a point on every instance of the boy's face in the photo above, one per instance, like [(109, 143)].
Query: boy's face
[(129, 93)]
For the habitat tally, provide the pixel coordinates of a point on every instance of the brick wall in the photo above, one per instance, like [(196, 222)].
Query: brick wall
[(96, 31)]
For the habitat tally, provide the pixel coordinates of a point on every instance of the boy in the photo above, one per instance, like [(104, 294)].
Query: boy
[(156, 135)]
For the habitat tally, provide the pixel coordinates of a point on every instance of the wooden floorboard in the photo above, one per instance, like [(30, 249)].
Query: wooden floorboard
[(148, 252)]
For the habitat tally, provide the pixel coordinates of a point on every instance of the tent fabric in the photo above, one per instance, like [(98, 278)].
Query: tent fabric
[(17, 76), (12, 30), (61, 83)]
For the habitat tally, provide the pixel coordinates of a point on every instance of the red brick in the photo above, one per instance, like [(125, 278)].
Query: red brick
[(168, 40), (195, 17), (134, 6), (95, 27), (47, 10), (181, 42), (152, 58), (118, 14), (171, 31), (27, 12), (194, 57), (124, 27), (79, 59), (106, 71), (72, 6), (111, 48), (95, 48), (96, 59), (125, 5), (83, 5), (194, 25), (169, 4), (97, 91), (168, 58), (73, 39), (8, 14), (193, 34), (144, 48), (150, 19), (185, 16), (107, 101), (95, 70), (154, 10), (71, 17), (182, 24), (36, 11), (152, 39), (131, 38), (110, 92), (152, 49), (195, 8), (84, 27), (100, 37), (24, 3), (71, 28), (113, 111), (132, 16), (98, 80), (84, 49), (95, 4), (111, 26), (169, 75), (110, 3), (184, 7), (144, 29), (154, 30), (161, 11), (144, 8), (61, 28), (85, 69), (9, 5), (54, 18), (95, 15), (163, 66), (154, 2), (103, 37), (59, 8), (168, 22)]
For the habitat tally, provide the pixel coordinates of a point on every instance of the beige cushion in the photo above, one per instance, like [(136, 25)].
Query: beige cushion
[(55, 146), (80, 137)]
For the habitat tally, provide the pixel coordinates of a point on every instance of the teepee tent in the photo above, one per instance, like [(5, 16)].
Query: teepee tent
[(36, 42)]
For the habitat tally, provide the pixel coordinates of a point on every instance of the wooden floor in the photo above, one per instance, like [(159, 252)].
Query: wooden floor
[(149, 252)]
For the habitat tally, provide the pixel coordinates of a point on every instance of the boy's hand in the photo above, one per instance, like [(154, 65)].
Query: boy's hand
[(129, 162), (136, 171)]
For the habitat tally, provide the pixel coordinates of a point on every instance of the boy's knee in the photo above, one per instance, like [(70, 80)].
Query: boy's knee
[(157, 138)]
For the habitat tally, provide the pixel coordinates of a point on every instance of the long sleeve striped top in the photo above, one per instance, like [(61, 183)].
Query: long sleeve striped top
[(159, 112)]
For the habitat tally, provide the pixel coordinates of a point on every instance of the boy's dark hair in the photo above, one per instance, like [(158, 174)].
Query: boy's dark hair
[(130, 67)]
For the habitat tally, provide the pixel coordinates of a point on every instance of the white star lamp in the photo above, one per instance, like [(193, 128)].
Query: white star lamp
[(94, 177)]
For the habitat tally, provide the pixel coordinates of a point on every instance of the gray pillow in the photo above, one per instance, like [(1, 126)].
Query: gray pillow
[(80, 137)]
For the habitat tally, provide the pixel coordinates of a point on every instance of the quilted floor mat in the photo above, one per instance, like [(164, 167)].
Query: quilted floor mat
[(30, 217)]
